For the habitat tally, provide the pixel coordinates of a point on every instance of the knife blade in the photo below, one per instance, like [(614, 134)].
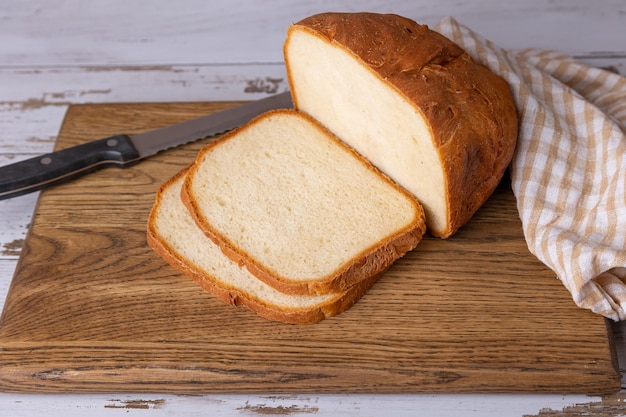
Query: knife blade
[(125, 150)]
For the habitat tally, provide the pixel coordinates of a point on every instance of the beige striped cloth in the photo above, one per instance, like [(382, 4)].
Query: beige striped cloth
[(569, 170)]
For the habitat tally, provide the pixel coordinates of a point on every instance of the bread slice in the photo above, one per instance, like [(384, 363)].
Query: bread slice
[(173, 234), (410, 101), (302, 211)]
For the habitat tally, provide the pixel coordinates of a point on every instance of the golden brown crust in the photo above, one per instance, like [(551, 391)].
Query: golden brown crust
[(333, 306), (470, 110), (371, 261)]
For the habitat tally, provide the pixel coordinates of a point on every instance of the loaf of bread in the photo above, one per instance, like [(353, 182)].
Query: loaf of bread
[(410, 101), (173, 234), (299, 209), (291, 216)]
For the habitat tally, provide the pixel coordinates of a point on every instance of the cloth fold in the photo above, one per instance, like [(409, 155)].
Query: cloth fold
[(568, 173)]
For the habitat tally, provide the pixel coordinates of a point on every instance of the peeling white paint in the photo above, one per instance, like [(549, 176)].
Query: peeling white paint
[(304, 405)]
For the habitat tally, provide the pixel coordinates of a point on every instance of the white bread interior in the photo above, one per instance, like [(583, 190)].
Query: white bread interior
[(336, 89)]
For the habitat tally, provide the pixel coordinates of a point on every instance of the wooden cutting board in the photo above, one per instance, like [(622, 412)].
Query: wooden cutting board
[(92, 309)]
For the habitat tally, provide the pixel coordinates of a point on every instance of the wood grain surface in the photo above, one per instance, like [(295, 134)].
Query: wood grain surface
[(92, 309)]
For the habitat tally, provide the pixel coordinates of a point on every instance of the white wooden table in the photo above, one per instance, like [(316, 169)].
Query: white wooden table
[(58, 52)]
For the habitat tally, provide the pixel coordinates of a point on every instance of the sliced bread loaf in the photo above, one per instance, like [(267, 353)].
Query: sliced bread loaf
[(173, 234), (410, 101), (298, 208)]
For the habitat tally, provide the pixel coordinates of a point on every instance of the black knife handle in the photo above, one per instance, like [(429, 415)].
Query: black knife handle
[(36, 173)]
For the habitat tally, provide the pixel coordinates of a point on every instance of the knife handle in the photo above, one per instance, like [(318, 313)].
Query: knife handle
[(36, 173)]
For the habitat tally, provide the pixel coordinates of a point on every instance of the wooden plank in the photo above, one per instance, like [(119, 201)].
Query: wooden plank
[(29, 90), (65, 32), (91, 308)]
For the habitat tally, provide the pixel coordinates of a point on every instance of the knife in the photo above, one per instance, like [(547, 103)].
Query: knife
[(124, 150)]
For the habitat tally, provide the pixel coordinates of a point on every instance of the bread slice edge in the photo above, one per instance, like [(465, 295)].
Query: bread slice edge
[(371, 261), (325, 307)]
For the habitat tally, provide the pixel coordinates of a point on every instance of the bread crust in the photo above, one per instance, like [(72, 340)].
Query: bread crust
[(336, 304), (371, 261), (470, 110)]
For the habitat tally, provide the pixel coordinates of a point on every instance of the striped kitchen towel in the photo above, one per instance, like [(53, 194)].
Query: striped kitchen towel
[(568, 173)]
